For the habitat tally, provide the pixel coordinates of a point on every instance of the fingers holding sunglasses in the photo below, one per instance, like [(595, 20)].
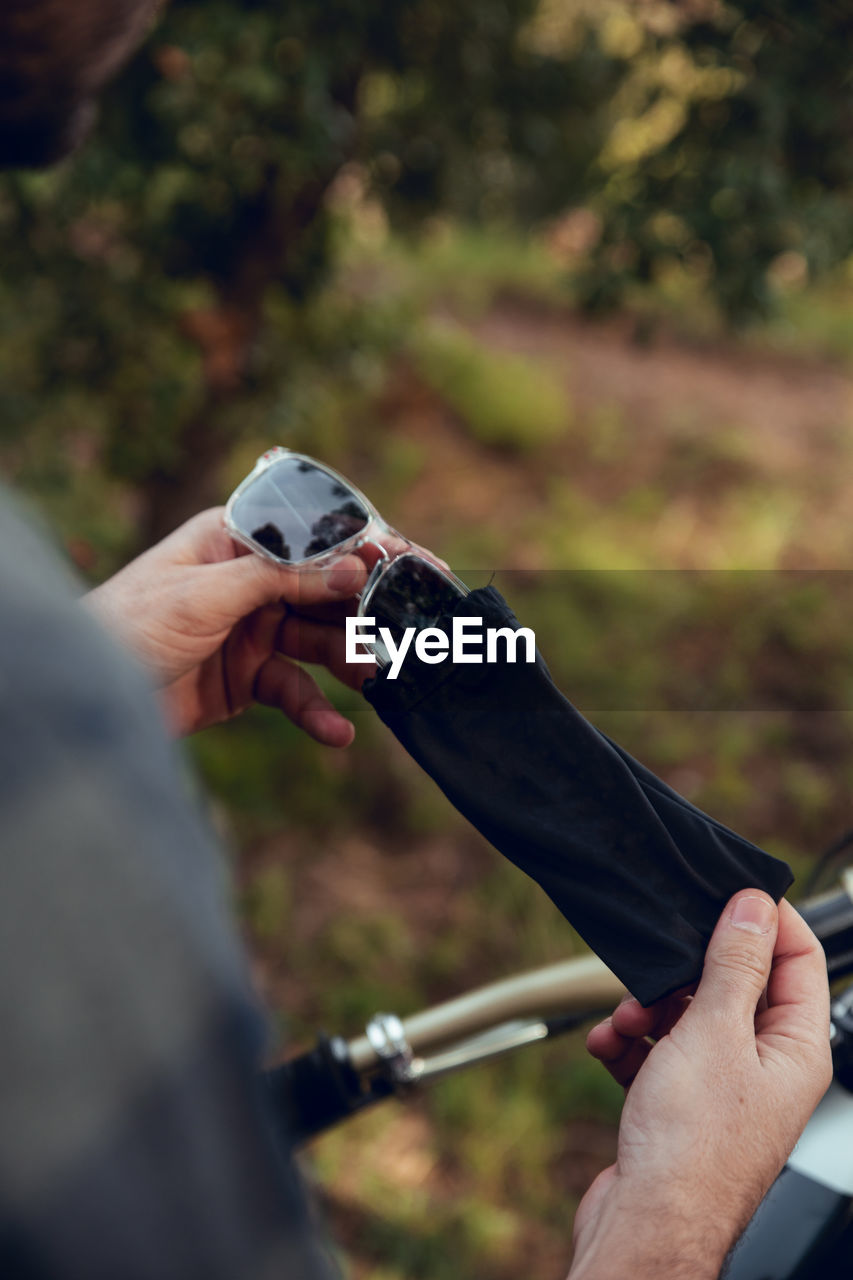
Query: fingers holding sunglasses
[(248, 582), (249, 645), (321, 644), (334, 612), (286, 687)]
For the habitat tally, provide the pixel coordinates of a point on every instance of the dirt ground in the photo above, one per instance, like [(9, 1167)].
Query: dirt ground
[(700, 418)]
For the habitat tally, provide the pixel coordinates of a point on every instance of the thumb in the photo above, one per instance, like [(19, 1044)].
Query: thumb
[(248, 582), (739, 957)]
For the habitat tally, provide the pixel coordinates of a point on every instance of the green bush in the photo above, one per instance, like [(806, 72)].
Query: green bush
[(502, 399)]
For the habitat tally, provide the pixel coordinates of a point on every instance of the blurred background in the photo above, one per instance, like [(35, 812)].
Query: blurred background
[(567, 288)]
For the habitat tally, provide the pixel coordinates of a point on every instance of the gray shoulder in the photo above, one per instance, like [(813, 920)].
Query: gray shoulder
[(128, 1113), (105, 856)]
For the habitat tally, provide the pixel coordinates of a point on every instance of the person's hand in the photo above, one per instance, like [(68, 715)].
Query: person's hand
[(217, 626), (715, 1106)]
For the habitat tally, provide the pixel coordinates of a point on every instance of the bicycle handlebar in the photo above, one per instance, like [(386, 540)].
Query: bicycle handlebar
[(569, 987), (337, 1078), (830, 917)]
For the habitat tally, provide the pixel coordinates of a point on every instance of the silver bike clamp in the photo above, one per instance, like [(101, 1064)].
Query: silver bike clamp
[(387, 1038)]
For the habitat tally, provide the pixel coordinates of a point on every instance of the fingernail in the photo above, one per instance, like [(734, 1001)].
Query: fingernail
[(346, 577), (755, 914)]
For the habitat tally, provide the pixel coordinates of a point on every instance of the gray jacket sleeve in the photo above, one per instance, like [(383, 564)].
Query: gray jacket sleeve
[(133, 1140)]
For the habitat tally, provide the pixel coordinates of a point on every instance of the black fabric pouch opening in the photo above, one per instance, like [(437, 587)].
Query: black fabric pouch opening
[(639, 872)]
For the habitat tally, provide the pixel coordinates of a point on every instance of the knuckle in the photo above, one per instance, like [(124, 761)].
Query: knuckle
[(742, 967)]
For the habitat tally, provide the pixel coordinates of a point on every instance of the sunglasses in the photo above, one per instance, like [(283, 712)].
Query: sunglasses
[(300, 513)]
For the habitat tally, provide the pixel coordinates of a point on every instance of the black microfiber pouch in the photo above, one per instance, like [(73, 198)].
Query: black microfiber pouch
[(639, 872)]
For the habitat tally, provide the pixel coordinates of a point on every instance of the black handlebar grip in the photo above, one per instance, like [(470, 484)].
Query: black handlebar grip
[(830, 918), (318, 1089)]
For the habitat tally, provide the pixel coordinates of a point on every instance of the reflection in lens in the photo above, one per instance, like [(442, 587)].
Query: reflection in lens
[(295, 509), (412, 593), (336, 527), (270, 537)]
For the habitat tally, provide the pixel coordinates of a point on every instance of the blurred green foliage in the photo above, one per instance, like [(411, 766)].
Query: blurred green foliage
[(504, 400), (156, 291), (729, 155), (163, 274)]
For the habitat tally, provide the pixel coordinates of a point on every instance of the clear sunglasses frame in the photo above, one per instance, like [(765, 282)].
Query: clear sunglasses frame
[(371, 535), (375, 528)]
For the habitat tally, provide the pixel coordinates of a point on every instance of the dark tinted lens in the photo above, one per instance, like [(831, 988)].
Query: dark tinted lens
[(411, 593), (296, 509)]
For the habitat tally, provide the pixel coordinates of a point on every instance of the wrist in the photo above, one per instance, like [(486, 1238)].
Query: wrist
[(650, 1234)]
